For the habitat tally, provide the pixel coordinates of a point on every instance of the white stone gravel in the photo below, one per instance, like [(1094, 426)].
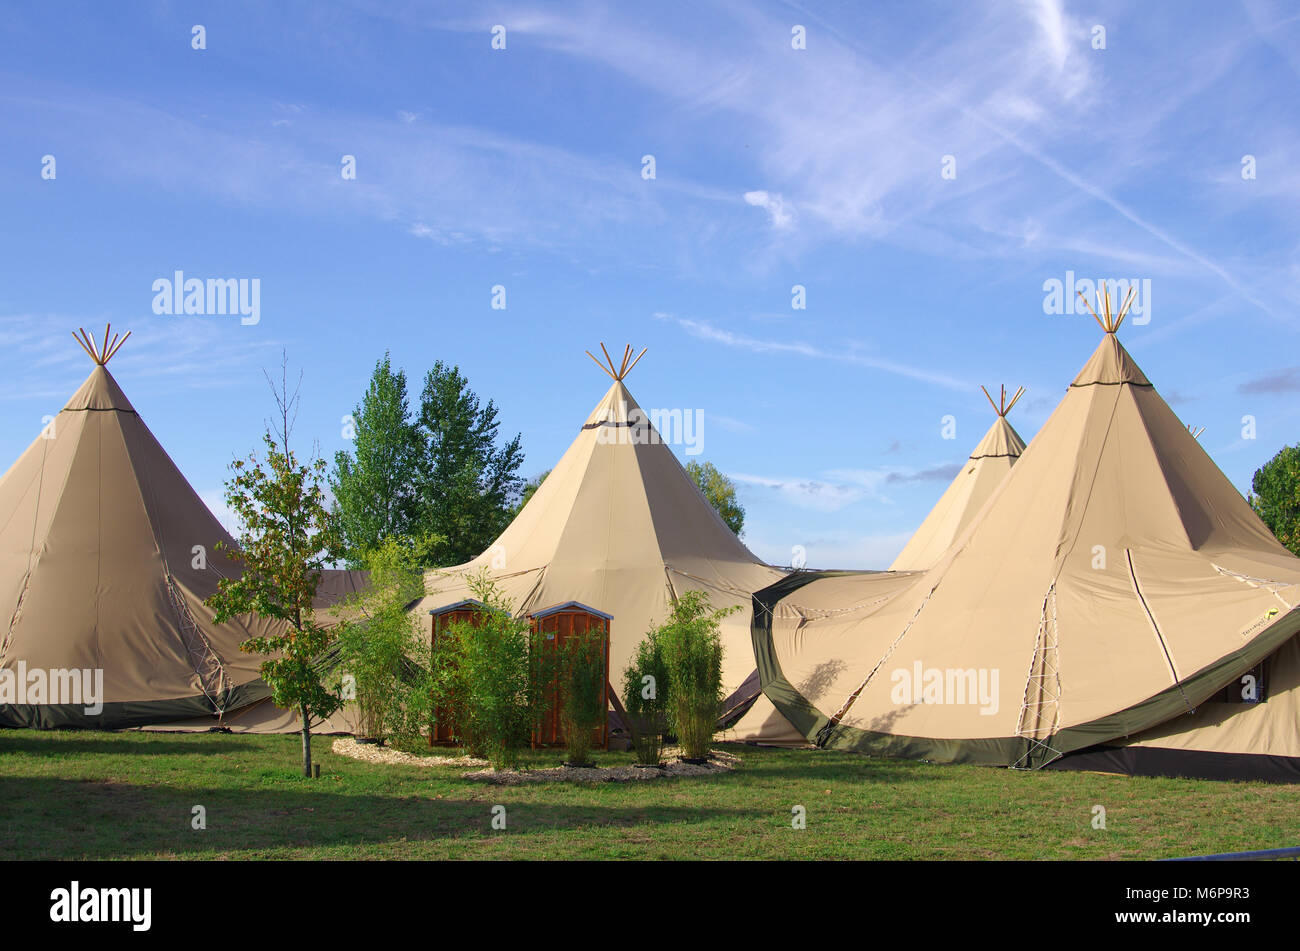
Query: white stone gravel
[(374, 753), (719, 762)]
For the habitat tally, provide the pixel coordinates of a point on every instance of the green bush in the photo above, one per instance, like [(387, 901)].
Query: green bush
[(645, 697), (374, 645), (482, 676), (447, 686), (691, 642), (581, 683), (682, 659)]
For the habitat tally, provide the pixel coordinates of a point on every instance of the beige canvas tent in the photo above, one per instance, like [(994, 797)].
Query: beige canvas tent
[(989, 462), (106, 557), (1113, 581), (983, 472), (619, 526), (1249, 730)]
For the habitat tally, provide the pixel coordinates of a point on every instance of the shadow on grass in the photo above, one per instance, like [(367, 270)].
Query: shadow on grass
[(71, 819), (61, 742), (829, 765)]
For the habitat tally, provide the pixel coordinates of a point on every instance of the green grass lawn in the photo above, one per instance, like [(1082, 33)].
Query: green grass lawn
[(74, 795)]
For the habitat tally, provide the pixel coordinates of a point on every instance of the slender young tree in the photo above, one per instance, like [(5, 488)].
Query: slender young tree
[(375, 487), (468, 483), (286, 538), (721, 493), (1276, 496)]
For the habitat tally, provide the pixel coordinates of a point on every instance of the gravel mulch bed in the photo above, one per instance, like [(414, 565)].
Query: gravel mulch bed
[(373, 753), (719, 762)]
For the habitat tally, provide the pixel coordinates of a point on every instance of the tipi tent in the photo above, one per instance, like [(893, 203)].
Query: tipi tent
[(983, 472), (988, 464), (106, 557), (619, 526), (1114, 580)]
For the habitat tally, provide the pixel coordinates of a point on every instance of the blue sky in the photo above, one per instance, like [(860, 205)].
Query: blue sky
[(774, 166)]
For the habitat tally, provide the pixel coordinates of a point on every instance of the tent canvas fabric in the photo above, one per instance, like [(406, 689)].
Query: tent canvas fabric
[(1221, 739), (262, 716), (983, 472), (765, 725), (99, 571), (333, 594), (619, 525), (1110, 583), (989, 462)]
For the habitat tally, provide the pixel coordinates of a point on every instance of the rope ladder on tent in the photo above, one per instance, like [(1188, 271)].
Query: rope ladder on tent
[(204, 660), (1274, 588), (17, 615), (1040, 712)]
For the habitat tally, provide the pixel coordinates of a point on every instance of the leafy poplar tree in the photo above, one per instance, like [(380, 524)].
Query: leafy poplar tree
[(721, 493), (468, 484), (287, 536), (375, 487), (1275, 496)]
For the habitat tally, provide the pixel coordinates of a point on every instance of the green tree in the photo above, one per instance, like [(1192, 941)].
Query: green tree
[(375, 487), (529, 490), (286, 538), (1275, 496), (721, 493), (468, 484)]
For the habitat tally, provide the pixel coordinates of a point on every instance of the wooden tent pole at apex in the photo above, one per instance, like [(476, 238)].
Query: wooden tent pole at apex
[(1002, 407), (619, 372), (100, 354)]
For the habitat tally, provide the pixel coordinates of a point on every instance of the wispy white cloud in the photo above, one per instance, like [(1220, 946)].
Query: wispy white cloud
[(731, 425), (1020, 86), (849, 132), (430, 178), (774, 205), (420, 230), (706, 331), (839, 488), (816, 494), (170, 353), (829, 550)]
